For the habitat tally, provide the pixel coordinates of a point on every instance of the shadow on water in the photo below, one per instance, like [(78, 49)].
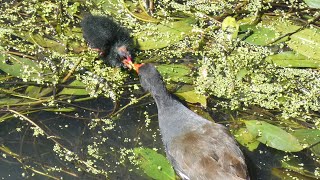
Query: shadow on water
[(73, 132)]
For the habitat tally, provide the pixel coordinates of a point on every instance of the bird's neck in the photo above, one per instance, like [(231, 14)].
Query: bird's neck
[(161, 95)]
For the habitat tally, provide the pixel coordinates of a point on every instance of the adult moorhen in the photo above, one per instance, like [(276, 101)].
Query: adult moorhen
[(197, 148), (109, 38)]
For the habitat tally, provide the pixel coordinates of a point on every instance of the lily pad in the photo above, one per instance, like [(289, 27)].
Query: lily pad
[(292, 59), (273, 136), (154, 164)]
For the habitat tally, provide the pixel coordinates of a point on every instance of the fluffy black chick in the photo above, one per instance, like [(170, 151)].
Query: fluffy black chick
[(112, 41)]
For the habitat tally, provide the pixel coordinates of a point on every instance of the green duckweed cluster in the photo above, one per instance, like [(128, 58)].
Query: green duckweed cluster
[(243, 78), (46, 37)]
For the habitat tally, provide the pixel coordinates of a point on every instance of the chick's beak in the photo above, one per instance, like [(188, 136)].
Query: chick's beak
[(128, 63)]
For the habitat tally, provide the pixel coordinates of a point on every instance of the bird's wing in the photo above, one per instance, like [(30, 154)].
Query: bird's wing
[(207, 153)]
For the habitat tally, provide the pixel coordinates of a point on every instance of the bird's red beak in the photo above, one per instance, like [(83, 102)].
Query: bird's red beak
[(136, 67)]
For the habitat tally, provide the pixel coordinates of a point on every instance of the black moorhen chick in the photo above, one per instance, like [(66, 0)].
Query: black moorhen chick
[(197, 148), (109, 38)]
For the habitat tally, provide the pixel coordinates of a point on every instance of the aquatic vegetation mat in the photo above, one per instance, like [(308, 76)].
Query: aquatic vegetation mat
[(252, 65)]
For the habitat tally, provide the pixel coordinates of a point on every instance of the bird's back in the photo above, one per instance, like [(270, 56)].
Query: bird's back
[(200, 149), (99, 31)]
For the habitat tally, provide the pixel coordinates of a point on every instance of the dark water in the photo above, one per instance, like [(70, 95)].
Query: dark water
[(130, 131)]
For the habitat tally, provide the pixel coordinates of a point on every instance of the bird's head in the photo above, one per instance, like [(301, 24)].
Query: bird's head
[(124, 54), (150, 78)]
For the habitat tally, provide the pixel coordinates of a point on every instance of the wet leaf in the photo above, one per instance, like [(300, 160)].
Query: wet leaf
[(201, 112), (291, 59), (33, 91), (43, 42), (241, 74), (162, 35), (110, 6), (310, 137), (22, 68), (296, 164), (16, 67), (306, 42), (313, 3), (287, 174), (273, 136), (154, 164), (188, 94), (139, 12), (261, 36), (246, 139), (9, 101), (75, 91), (176, 72), (230, 27)]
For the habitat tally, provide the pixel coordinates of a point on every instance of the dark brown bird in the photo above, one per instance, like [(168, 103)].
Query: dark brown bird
[(197, 148), (109, 38)]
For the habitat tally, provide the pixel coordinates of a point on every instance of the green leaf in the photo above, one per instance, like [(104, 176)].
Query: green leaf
[(273, 136), (67, 109), (284, 173), (110, 6), (176, 72), (188, 94), (295, 164), (230, 27), (33, 91), (142, 14), (309, 137), (154, 164), (241, 74), (17, 66), (9, 101), (75, 91), (43, 42), (306, 42), (313, 3), (261, 36), (291, 59), (246, 139), (165, 34), (22, 68)]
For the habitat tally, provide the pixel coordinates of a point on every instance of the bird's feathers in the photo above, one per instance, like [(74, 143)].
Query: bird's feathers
[(104, 34), (197, 148), (207, 153)]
